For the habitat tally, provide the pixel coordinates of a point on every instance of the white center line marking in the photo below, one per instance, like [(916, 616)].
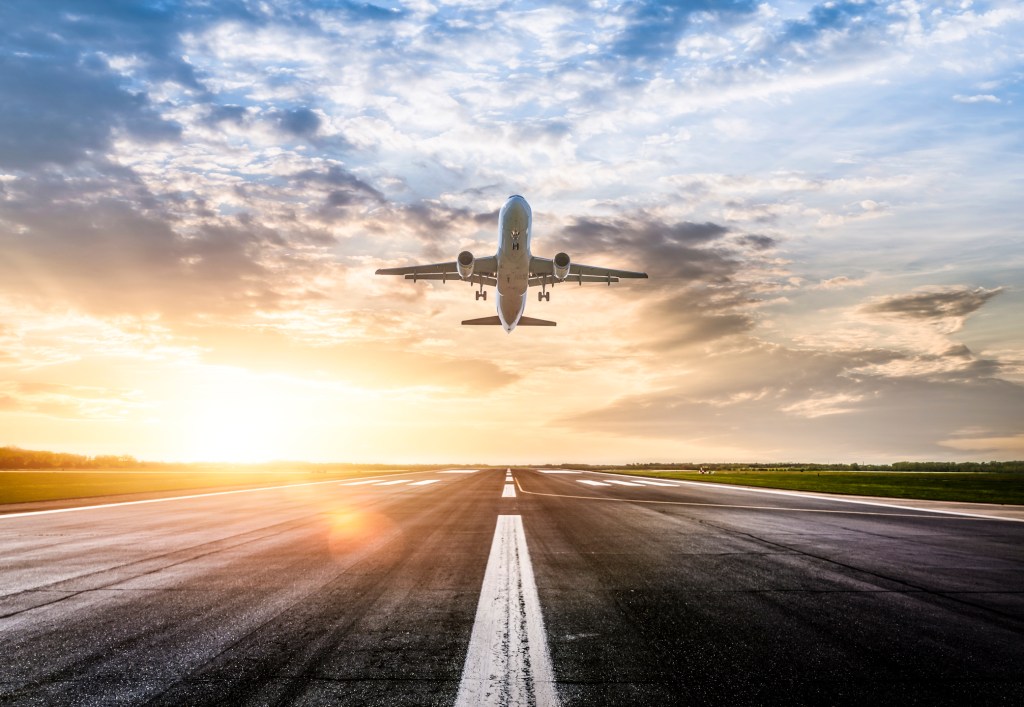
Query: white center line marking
[(508, 661), (509, 491), (424, 482), (592, 483), (623, 483), (392, 483)]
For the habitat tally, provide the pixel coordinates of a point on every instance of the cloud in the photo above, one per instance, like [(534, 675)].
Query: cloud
[(102, 253), (75, 402), (951, 305), (653, 28), (980, 98), (63, 113), (838, 282), (757, 242), (64, 92), (367, 364), (1010, 446), (300, 122), (666, 250), (779, 403)]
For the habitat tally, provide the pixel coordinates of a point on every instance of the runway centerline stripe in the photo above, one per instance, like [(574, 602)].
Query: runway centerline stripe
[(624, 483), (509, 491), (508, 661), (392, 483), (424, 482), (588, 482)]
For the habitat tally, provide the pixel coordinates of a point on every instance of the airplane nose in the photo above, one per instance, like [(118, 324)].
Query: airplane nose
[(516, 207)]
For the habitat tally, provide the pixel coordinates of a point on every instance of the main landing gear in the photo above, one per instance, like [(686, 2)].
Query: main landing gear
[(481, 293), (543, 296)]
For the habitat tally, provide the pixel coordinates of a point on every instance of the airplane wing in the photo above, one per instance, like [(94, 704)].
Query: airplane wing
[(484, 270), (542, 272)]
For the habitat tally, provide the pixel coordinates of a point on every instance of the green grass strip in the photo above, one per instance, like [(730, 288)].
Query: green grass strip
[(28, 486)]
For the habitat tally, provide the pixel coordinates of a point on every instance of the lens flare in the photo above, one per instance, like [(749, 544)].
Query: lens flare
[(352, 529)]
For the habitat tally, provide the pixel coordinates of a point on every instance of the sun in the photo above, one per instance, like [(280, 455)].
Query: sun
[(242, 418)]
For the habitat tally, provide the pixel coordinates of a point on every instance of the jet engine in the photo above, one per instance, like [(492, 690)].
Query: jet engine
[(560, 266), (464, 264)]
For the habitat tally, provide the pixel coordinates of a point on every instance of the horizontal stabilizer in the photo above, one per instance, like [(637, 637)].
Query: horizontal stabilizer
[(523, 321)]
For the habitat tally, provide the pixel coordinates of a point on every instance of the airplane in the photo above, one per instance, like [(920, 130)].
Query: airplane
[(512, 270)]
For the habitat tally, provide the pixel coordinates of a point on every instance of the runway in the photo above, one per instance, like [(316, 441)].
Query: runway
[(549, 588)]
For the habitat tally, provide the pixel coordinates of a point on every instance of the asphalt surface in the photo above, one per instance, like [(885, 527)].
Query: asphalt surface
[(368, 594)]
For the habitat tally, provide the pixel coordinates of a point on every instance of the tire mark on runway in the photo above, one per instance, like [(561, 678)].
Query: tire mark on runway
[(188, 554), (911, 587), (923, 515), (281, 658), (214, 624)]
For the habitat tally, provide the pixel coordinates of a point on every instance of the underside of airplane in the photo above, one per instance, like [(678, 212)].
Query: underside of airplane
[(512, 270)]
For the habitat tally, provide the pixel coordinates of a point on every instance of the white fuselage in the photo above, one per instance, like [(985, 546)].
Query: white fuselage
[(513, 260)]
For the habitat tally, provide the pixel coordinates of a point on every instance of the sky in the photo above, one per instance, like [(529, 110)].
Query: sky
[(194, 197)]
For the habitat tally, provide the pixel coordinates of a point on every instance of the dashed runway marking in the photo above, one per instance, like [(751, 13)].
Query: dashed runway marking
[(509, 491), (592, 483)]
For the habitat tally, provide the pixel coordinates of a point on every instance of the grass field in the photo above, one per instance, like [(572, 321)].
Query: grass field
[(978, 487), (25, 486)]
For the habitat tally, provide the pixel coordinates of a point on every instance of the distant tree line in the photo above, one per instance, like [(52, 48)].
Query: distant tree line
[(991, 466), (15, 458)]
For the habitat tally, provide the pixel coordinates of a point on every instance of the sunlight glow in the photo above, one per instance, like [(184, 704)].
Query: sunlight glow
[(242, 419)]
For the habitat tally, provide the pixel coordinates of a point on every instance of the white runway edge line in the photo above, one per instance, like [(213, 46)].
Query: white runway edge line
[(508, 661), (159, 500), (824, 497)]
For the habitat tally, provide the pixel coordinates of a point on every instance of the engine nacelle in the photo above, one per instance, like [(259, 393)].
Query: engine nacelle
[(560, 266), (464, 264)]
